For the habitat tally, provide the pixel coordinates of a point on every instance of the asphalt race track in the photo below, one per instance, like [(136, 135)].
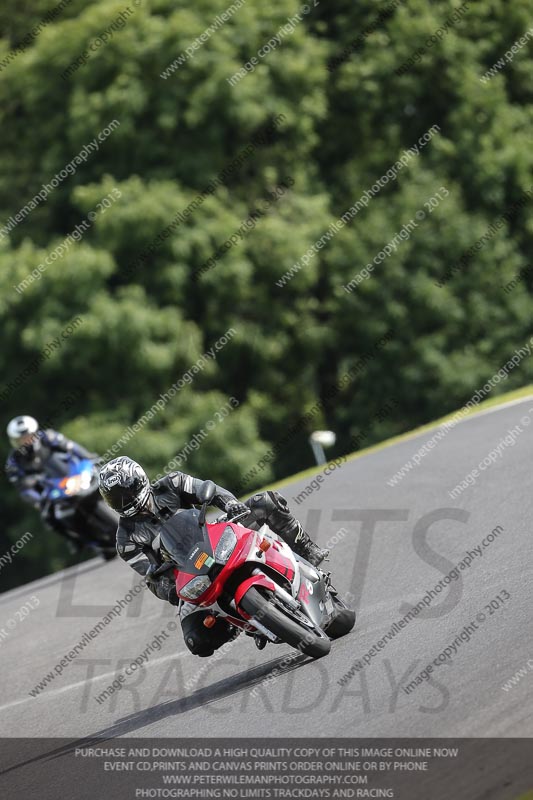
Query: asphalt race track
[(397, 543)]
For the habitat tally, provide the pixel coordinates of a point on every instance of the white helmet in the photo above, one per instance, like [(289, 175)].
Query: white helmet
[(21, 431)]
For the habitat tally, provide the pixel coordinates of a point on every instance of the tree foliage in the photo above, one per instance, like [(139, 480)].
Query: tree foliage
[(148, 310)]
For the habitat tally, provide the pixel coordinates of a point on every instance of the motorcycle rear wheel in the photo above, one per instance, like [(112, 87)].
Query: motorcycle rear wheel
[(342, 623), (282, 626)]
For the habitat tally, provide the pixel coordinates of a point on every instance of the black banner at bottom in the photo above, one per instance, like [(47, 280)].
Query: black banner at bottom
[(133, 769)]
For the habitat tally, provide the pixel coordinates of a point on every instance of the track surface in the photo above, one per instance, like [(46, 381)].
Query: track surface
[(383, 568)]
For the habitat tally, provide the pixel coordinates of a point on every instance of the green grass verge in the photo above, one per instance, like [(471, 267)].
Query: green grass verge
[(517, 394)]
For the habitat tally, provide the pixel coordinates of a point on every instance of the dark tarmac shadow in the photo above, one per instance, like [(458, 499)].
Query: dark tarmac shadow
[(200, 697)]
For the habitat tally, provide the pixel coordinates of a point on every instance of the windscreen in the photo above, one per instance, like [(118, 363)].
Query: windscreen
[(181, 533)]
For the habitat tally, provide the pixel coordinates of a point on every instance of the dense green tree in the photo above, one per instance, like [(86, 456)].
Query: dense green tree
[(189, 162)]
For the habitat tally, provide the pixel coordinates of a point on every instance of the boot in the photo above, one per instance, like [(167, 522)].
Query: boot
[(305, 547), (272, 508)]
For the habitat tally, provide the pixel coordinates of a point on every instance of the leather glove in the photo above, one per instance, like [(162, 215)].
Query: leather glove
[(164, 588), (235, 508)]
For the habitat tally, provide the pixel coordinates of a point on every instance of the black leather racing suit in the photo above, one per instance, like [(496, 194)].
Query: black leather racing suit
[(178, 490)]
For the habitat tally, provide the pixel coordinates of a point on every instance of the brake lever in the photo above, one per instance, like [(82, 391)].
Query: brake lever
[(237, 517)]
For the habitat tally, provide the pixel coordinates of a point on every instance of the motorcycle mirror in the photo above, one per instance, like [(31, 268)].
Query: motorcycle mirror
[(206, 492)]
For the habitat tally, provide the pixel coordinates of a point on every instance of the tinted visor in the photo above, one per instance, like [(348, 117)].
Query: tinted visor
[(127, 501)]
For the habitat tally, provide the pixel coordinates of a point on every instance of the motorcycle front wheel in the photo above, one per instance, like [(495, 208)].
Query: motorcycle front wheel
[(102, 524), (283, 626)]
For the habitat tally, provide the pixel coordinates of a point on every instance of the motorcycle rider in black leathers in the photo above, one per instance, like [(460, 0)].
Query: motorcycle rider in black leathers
[(144, 508), (27, 463)]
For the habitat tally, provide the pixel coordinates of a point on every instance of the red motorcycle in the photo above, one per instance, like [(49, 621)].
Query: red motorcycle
[(252, 579)]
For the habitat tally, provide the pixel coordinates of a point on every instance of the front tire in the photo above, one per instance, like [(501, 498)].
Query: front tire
[(100, 524), (104, 523), (282, 626)]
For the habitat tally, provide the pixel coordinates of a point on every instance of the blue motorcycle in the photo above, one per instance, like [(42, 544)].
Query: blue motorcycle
[(72, 504)]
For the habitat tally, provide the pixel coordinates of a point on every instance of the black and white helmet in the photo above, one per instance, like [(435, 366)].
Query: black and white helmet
[(22, 431), (125, 486)]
